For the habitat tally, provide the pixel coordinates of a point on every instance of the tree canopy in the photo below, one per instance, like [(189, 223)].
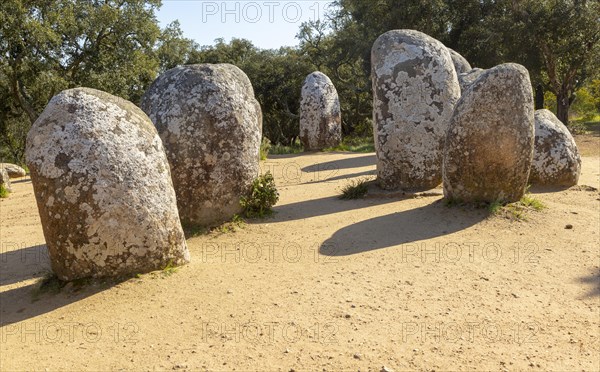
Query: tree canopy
[(117, 46)]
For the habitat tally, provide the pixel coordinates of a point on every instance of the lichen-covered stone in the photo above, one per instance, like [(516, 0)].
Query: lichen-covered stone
[(466, 79), (461, 65), (320, 116), (5, 179), (556, 159), (210, 124), (489, 145), (415, 88), (103, 188), (13, 170)]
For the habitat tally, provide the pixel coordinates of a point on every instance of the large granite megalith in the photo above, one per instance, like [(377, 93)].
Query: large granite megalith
[(489, 145), (415, 89), (210, 124), (103, 188)]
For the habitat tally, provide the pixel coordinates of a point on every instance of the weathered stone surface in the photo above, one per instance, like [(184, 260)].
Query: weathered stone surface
[(460, 63), (468, 78), (13, 170), (556, 159), (415, 88), (489, 145), (5, 179), (210, 124), (103, 188), (320, 115)]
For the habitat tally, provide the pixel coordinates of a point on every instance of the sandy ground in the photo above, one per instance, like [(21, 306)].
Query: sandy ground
[(325, 284)]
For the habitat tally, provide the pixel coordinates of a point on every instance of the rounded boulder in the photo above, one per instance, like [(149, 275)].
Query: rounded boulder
[(489, 144), (103, 188), (415, 89), (556, 159), (320, 116), (210, 124)]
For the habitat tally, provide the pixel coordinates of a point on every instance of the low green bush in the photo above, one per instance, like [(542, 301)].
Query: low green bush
[(263, 197)]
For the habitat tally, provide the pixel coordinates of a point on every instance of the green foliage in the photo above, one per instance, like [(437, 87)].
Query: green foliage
[(265, 146), (355, 144), (495, 207), (169, 269), (518, 210), (295, 148), (356, 189), (262, 198), (3, 191), (236, 223), (49, 46)]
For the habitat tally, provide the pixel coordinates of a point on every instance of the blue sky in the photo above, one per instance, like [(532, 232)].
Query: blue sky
[(268, 24)]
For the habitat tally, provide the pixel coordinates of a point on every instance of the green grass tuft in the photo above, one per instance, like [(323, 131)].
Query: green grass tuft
[(356, 189), (3, 191), (170, 269), (355, 144), (295, 148), (265, 147)]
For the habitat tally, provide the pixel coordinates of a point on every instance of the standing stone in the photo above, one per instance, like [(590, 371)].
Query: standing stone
[(13, 170), (556, 159), (415, 88), (103, 188), (210, 124), (461, 65), (5, 179), (489, 146), (320, 117), (466, 79)]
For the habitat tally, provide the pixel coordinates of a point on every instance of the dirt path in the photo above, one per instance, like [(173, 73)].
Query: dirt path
[(327, 285)]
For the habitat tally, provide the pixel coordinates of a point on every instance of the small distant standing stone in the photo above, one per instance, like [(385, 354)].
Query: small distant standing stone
[(13, 170), (320, 115)]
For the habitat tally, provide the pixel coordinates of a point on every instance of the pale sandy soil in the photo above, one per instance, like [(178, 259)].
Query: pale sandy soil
[(326, 284)]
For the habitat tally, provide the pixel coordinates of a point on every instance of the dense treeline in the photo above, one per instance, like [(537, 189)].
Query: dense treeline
[(117, 46)]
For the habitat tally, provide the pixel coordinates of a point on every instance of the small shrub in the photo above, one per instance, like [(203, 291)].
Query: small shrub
[(265, 146), (262, 198), (495, 207), (3, 191), (356, 189)]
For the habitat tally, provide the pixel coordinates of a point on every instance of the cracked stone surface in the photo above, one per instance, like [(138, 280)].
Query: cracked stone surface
[(489, 145), (556, 159), (211, 126), (461, 64), (320, 115), (103, 188), (415, 89)]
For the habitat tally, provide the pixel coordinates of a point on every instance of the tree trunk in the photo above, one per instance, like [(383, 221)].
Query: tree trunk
[(539, 97), (562, 107)]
